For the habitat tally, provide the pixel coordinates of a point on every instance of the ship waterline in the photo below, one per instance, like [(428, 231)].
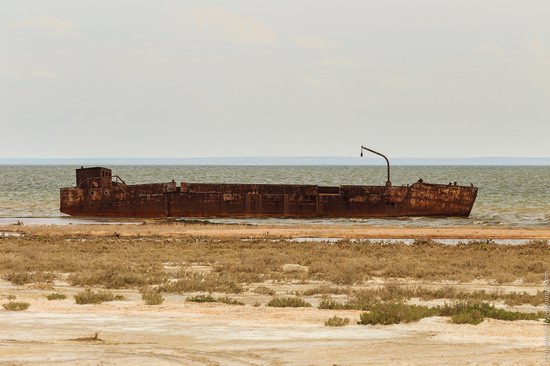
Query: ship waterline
[(98, 193)]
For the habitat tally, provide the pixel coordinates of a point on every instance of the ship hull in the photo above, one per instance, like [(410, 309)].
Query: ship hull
[(266, 200)]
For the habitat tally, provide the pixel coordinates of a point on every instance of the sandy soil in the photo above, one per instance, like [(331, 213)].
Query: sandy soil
[(286, 231), (178, 332), (183, 333)]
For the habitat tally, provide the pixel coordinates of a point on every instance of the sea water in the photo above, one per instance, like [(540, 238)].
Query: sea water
[(508, 195)]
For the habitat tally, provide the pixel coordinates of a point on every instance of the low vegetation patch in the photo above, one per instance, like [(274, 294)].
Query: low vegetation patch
[(16, 306), (152, 297), (196, 282), (326, 290), (360, 300), (363, 299), (90, 297), (328, 303), (201, 298), (136, 258), (210, 298), (473, 317), (117, 277), (474, 310), (56, 296), (393, 313), (264, 290), (24, 277), (336, 321), (288, 302), (462, 312), (229, 301)]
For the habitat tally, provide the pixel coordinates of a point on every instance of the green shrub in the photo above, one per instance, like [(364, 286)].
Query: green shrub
[(56, 296), (393, 313), (229, 301), (502, 314), (462, 312), (336, 321), (16, 306), (152, 297), (288, 302), (485, 310), (473, 317), (89, 297), (201, 298)]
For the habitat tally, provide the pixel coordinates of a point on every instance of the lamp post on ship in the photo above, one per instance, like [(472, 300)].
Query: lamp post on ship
[(388, 182)]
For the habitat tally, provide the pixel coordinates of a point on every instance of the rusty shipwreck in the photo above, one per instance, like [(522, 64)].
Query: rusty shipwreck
[(99, 193)]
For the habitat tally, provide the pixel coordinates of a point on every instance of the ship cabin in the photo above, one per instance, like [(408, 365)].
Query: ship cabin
[(93, 177)]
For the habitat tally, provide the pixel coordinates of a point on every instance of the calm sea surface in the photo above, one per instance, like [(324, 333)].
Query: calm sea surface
[(508, 196)]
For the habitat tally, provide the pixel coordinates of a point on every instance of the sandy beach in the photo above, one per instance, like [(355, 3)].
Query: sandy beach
[(215, 333)]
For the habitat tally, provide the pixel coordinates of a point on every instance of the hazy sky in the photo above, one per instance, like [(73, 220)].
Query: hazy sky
[(130, 78)]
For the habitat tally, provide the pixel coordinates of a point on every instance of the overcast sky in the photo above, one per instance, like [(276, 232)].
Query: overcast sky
[(130, 78)]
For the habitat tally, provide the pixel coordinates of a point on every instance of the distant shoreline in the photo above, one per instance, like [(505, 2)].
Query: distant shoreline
[(283, 161)]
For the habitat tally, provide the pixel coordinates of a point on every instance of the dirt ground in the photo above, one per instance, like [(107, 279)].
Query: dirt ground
[(358, 231), (183, 333)]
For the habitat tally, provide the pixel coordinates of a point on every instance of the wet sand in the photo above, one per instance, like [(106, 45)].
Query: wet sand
[(182, 333)]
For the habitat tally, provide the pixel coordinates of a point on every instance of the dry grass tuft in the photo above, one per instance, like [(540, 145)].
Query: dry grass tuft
[(327, 290), (56, 296), (16, 306), (229, 301), (336, 321), (201, 298), (22, 278), (288, 302), (264, 290), (90, 297), (196, 282), (152, 297)]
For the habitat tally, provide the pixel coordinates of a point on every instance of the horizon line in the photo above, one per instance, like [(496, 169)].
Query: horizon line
[(283, 161), (270, 157)]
